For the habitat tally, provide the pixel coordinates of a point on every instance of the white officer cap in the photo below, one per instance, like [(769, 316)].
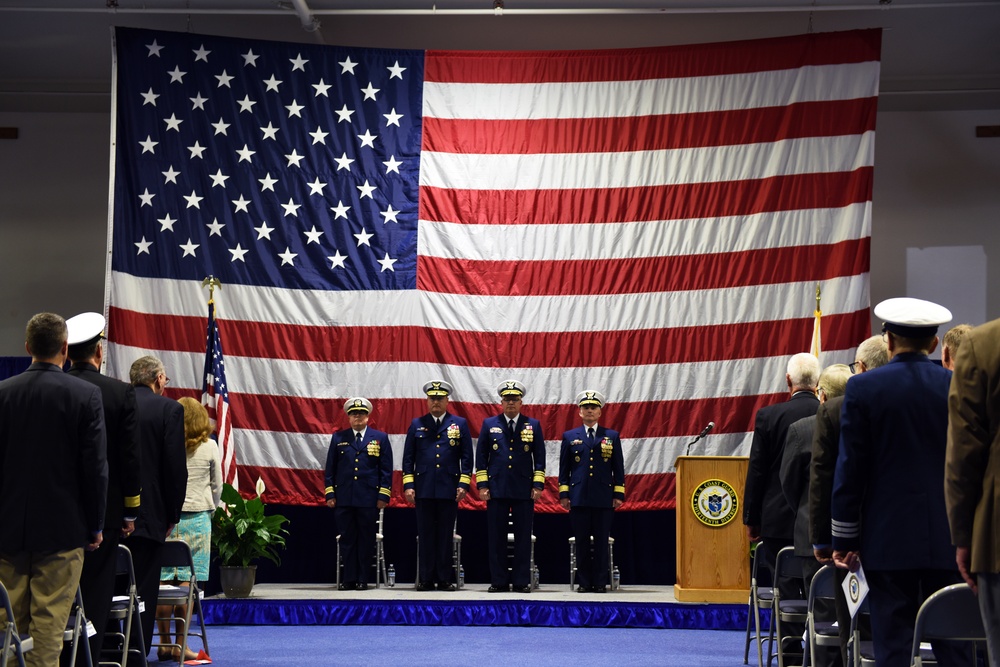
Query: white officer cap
[(358, 404), (590, 397), (511, 388), (912, 318), (84, 328), (437, 388)]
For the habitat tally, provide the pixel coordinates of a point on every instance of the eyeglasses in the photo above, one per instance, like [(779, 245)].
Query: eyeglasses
[(166, 380), (854, 367)]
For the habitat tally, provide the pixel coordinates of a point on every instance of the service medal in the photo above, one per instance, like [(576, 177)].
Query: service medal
[(527, 448)]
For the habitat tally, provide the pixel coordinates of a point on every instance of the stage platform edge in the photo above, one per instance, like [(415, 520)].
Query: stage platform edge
[(554, 606)]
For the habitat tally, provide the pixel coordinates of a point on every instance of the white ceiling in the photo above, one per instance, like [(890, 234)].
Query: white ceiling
[(936, 54)]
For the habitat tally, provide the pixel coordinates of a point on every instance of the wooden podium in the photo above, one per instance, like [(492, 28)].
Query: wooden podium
[(713, 553)]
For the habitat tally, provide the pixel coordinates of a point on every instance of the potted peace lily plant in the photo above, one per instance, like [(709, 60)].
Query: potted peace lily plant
[(242, 533)]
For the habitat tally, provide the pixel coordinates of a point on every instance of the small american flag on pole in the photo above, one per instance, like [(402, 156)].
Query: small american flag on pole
[(215, 397)]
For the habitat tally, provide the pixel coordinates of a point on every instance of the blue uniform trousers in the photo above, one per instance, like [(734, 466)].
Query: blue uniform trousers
[(894, 597), (591, 570), (436, 527), (356, 526), (521, 512)]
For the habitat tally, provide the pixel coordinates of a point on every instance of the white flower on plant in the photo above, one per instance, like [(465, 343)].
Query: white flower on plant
[(260, 488)]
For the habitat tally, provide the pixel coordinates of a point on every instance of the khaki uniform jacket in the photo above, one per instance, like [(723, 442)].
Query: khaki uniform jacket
[(972, 464)]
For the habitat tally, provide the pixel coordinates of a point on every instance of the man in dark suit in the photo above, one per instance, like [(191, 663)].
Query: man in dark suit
[(510, 476), (53, 486), (97, 582), (164, 479), (591, 487), (358, 485), (888, 505), (437, 471), (766, 514), (871, 353)]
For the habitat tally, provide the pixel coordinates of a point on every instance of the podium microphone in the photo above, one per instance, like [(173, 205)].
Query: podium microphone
[(705, 431)]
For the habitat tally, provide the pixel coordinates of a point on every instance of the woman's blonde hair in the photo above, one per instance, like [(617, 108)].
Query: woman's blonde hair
[(197, 426)]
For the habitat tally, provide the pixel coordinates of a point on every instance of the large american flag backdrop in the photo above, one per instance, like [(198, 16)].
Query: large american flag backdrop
[(651, 223)]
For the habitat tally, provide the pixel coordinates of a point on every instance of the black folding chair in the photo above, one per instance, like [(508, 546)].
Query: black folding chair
[(124, 611), (177, 553)]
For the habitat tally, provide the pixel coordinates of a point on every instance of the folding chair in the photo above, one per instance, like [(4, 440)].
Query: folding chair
[(860, 653), (14, 643), (533, 569), (456, 558), (951, 613), (124, 610), (761, 597), (381, 575), (823, 631), (788, 566), (177, 553), (611, 563), (78, 629)]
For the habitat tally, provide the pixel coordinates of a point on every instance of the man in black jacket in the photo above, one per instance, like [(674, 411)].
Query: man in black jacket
[(164, 479), (53, 486), (86, 352)]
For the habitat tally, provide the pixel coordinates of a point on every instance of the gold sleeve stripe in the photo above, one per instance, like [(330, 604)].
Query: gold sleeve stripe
[(131, 501), (620, 489), (563, 487), (539, 476), (481, 476), (384, 491), (407, 479), (464, 479), (329, 489)]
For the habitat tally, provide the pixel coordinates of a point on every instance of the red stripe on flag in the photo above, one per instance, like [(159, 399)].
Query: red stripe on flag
[(661, 202), (637, 133), (653, 63), (643, 274), (296, 486), (558, 349)]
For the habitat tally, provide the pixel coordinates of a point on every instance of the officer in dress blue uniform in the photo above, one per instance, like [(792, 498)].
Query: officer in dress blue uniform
[(510, 476), (888, 507), (358, 485), (591, 487), (437, 470)]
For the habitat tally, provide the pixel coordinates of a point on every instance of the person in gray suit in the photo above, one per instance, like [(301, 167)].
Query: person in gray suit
[(53, 486)]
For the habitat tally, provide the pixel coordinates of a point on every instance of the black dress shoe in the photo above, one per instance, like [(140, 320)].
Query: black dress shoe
[(424, 587), (583, 589), (447, 587), (598, 589), (346, 586), (522, 589), (361, 587), (498, 589)]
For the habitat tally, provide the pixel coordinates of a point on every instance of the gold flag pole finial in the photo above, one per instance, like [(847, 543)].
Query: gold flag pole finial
[(817, 296), (211, 282)]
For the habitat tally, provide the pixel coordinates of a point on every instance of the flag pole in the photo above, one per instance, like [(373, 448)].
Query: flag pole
[(212, 282), (817, 343), (215, 390)]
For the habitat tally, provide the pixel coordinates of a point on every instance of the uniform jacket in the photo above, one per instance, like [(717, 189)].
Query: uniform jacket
[(888, 490), (972, 465), (121, 428), (510, 465), (795, 480), (765, 503), (591, 472), (53, 470), (437, 461), (359, 475), (826, 445), (164, 463)]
